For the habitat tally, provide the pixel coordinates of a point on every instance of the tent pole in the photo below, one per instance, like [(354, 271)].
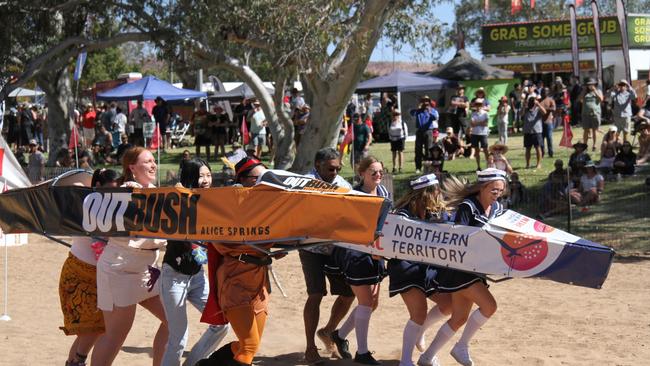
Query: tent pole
[(159, 137)]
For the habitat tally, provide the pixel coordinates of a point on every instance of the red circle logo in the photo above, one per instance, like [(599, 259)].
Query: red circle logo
[(541, 227), (523, 252)]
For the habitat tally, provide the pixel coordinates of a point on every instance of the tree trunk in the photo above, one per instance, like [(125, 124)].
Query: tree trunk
[(332, 91), (60, 103)]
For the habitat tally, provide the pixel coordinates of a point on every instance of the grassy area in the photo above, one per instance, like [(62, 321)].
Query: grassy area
[(621, 220)]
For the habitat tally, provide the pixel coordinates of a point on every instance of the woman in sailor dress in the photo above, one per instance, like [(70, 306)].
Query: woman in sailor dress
[(362, 272), (414, 281), (476, 205)]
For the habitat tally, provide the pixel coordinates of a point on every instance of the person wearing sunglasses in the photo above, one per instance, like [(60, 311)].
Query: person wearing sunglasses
[(475, 205), (362, 272), (327, 165)]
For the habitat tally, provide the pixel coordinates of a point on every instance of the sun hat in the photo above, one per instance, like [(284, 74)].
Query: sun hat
[(613, 128), (424, 181), (498, 146), (479, 101), (491, 174), (33, 142), (591, 81), (580, 145)]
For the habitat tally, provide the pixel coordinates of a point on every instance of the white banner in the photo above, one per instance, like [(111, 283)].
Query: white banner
[(520, 247), (11, 173)]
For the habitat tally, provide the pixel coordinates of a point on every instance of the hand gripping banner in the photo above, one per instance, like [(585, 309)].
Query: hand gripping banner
[(512, 245), (283, 207)]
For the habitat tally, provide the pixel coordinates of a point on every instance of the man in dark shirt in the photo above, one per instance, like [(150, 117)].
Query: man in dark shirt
[(161, 114), (515, 106), (362, 139), (459, 104)]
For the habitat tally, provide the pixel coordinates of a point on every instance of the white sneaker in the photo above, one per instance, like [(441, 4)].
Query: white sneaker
[(434, 362), (422, 344), (460, 353), (417, 171)]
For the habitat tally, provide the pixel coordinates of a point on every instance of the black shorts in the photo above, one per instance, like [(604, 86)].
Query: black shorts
[(312, 268), (532, 139), (397, 145), (477, 140)]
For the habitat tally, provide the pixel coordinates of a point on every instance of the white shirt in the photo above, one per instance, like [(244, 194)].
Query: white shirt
[(120, 121), (480, 117)]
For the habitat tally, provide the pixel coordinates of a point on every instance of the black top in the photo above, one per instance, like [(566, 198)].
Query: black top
[(471, 213), (179, 255)]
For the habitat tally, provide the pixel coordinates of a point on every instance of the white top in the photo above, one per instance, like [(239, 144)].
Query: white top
[(481, 129), (120, 121), (397, 130), (81, 248), (589, 183)]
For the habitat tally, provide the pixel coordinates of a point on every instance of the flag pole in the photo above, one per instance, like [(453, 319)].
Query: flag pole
[(158, 138), (76, 143), (5, 315)]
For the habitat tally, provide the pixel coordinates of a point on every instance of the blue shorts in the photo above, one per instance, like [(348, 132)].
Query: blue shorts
[(258, 140)]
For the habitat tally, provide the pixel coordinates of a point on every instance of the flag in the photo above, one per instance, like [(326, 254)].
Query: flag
[(567, 134), (156, 139), (625, 42), (580, 2), (599, 50), (347, 139), (245, 139), (79, 66), (515, 6), (532, 4), (74, 138), (574, 41), (13, 175)]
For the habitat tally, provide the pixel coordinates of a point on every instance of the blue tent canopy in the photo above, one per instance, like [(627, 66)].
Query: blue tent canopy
[(403, 81), (149, 88)]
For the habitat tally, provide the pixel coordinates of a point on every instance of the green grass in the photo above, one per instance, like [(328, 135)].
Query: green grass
[(621, 220)]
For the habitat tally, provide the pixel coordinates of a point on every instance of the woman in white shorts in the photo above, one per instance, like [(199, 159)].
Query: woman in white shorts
[(124, 278)]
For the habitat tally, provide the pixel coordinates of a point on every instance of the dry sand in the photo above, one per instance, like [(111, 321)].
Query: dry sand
[(538, 322)]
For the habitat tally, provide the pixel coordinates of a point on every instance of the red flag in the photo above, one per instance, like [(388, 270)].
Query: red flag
[(487, 6), (245, 139), (567, 134), (347, 139), (515, 6), (532, 4), (74, 138), (156, 139), (368, 122), (580, 2), (2, 158)]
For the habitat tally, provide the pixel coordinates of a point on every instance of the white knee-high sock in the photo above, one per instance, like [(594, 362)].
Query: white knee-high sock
[(361, 324), (348, 325), (442, 337), (432, 317), (412, 331), (475, 321)]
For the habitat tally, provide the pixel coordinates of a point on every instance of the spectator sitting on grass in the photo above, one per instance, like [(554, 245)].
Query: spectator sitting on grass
[(644, 143), (554, 199), (499, 151), (610, 140), (606, 163), (452, 145), (590, 187), (625, 159), (578, 159)]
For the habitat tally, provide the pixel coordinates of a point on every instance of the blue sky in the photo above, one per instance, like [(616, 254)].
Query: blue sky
[(383, 51)]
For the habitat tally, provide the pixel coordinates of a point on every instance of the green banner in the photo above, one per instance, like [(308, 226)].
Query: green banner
[(556, 35)]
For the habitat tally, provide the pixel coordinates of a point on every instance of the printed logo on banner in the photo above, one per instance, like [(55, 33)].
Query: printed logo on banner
[(171, 213), (522, 252), (541, 227)]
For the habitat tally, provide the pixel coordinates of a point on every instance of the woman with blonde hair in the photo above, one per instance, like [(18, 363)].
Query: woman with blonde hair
[(416, 282), (126, 275), (475, 205), (362, 272)]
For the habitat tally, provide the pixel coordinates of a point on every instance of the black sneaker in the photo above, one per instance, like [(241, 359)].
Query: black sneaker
[(342, 345), (366, 359)]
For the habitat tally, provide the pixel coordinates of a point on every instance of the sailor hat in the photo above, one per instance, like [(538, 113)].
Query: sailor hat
[(424, 181), (490, 174)]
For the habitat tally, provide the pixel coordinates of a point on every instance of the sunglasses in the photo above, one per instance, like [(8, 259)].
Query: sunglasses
[(251, 176), (335, 169), (376, 172)]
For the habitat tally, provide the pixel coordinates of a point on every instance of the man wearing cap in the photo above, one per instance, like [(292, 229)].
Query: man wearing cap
[(533, 117), (514, 99), (327, 164), (591, 99), (622, 99), (458, 108), (36, 165), (426, 121)]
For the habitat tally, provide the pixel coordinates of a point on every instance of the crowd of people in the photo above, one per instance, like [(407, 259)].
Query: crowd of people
[(117, 274)]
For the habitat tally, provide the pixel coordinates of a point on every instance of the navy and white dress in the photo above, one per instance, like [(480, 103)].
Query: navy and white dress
[(358, 268), (404, 275), (470, 212)]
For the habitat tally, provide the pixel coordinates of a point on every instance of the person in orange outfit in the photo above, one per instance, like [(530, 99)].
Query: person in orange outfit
[(242, 287)]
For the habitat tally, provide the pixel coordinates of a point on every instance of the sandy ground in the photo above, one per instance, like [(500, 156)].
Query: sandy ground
[(538, 322)]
